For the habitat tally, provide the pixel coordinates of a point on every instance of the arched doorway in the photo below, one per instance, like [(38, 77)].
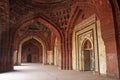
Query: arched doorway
[(31, 51), (29, 58), (40, 45), (87, 56), (37, 29)]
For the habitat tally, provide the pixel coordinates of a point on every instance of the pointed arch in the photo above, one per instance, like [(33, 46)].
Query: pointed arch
[(87, 43), (45, 21), (37, 39)]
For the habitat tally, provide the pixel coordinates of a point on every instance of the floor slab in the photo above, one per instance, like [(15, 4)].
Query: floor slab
[(34, 71)]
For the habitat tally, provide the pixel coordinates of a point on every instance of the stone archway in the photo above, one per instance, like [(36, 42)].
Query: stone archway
[(31, 48), (54, 31), (44, 61), (56, 52)]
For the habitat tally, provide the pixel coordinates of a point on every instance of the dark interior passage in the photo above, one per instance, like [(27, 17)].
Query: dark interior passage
[(29, 58)]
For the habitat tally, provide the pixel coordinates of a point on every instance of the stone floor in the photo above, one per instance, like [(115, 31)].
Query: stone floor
[(45, 72)]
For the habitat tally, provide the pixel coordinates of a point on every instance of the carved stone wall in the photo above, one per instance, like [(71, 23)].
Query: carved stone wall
[(89, 29), (103, 10), (62, 18)]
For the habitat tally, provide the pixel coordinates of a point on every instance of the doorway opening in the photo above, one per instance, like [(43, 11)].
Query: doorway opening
[(29, 58), (87, 56), (87, 60)]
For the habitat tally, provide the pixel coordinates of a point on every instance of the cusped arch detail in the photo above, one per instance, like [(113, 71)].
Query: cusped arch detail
[(85, 41)]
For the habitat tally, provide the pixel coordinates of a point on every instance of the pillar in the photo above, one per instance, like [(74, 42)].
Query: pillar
[(5, 56), (68, 50), (63, 55), (15, 57)]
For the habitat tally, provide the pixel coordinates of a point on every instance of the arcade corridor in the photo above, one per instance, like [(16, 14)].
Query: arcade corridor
[(59, 39), (35, 71)]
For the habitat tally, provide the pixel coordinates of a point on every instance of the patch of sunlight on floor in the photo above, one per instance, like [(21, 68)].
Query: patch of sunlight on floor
[(36, 71)]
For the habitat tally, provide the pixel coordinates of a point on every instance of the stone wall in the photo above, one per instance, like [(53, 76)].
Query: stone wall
[(89, 29), (103, 11)]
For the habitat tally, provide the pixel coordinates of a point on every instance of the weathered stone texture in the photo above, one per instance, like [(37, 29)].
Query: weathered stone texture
[(52, 24)]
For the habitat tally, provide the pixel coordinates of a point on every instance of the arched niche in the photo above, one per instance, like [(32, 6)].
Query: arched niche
[(87, 58), (89, 29)]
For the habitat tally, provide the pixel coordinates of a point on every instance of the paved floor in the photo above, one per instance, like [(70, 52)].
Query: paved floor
[(45, 72)]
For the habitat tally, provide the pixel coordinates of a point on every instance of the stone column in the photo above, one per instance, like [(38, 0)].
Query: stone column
[(5, 56), (15, 57), (19, 56), (63, 56), (68, 51)]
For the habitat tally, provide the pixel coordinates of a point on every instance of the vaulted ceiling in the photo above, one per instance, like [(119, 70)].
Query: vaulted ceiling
[(56, 11)]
